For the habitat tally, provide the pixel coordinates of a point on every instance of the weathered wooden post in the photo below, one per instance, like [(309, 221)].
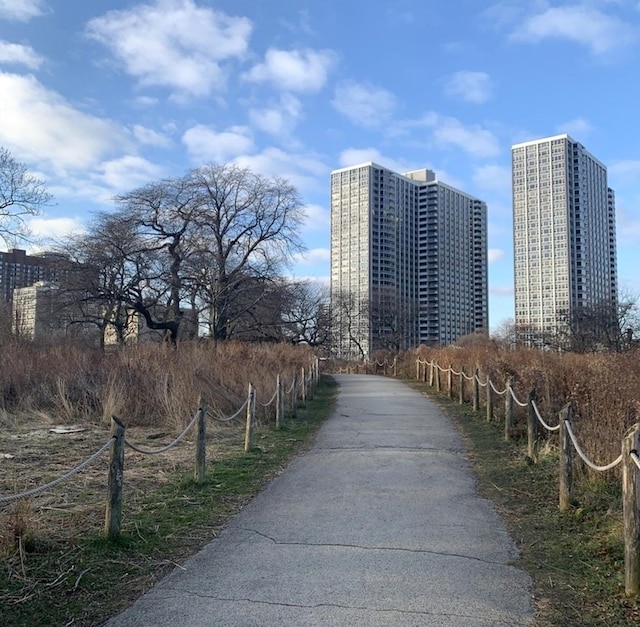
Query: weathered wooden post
[(631, 510), (476, 391), (418, 369), (303, 389), (201, 443), (508, 411), (248, 432), (461, 387), (437, 377), (489, 400), (449, 383), (395, 366), (565, 497), (279, 403), (294, 396), (113, 510), (431, 373), (532, 426)]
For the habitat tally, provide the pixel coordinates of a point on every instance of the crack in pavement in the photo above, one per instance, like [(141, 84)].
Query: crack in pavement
[(490, 621), (375, 548)]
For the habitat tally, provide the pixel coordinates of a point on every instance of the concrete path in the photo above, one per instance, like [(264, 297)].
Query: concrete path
[(378, 524)]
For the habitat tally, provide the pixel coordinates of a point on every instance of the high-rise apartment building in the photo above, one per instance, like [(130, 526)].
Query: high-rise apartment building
[(564, 237), (408, 260)]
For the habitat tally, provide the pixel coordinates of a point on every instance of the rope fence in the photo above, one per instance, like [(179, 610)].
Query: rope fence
[(302, 388)]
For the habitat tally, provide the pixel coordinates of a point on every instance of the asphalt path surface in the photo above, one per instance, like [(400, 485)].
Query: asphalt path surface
[(379, 523)]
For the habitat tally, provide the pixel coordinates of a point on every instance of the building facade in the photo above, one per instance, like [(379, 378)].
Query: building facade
[(17, 269), (408, 261), (564, 238)]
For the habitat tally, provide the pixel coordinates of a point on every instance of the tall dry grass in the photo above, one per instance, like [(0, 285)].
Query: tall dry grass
[(603, 388), (145, 385)]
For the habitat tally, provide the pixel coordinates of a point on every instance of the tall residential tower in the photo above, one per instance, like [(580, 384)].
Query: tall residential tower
[(564, 238), (408, 260)]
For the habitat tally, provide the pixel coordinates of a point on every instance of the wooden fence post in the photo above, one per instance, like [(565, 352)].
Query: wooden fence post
[(430, 373), (631, 510), (476, 391), (294, 396), (461, 387), (248, 432), (508, 411), (395, 366), (303, 388), (565, 498), (532, 426), (113, 510), (437, 378), (449, 382), (417, 369), (384, 367), (489, 400), (201, 443), (279, 405)]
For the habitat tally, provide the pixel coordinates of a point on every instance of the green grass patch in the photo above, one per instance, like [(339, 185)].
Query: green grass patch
[(575, 558), (89, 579)]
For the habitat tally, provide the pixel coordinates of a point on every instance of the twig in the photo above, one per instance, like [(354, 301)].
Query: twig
[(84, 572)]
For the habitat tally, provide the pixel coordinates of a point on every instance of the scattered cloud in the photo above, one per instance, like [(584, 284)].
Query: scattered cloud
[(624, 173), (317, 217), (126, 173), (449, 132), (279, 119), (307, 172), (495, 254), (578, 128), (354, 156), (474, 87), (17, 54), (296, 71), (586, 25), (204, 144), (313, 256), (493, 178), (149, 137), (38, 124), (21, 10), (363, 104), (52, 228), (173, 43)]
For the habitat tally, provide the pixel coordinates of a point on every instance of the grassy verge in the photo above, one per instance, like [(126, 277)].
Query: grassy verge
[(85, 580), (576, 559)]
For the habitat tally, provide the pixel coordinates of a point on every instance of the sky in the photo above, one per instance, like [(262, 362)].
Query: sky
[(100, 97)]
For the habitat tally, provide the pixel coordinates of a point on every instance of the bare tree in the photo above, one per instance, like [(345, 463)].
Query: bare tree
[(21, 195), (350, 325), (248, 228), (306, 317)]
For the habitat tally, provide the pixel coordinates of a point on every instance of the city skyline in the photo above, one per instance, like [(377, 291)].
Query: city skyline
[(102, 97)]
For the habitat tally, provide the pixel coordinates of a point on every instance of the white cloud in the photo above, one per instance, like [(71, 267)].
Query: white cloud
[(204, 144), (589, 26), (304, 171), (39, 125), (21, 10), (144, 102), (150, 137), (501, 290), (495, 254), (293, 70), (313, 256), (43, 227), (446, 132), (17, 54), (624, 172), (493, 178), (126, 173), (173, 43), (354, 156), (317, 217), (577, 128), (280, 119), (470, 86), (364, 105)]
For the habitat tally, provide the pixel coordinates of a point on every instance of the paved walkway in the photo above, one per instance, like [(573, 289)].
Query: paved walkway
[(378, 524)]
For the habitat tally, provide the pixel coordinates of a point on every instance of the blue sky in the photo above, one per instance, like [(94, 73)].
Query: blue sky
[(102, 96)]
